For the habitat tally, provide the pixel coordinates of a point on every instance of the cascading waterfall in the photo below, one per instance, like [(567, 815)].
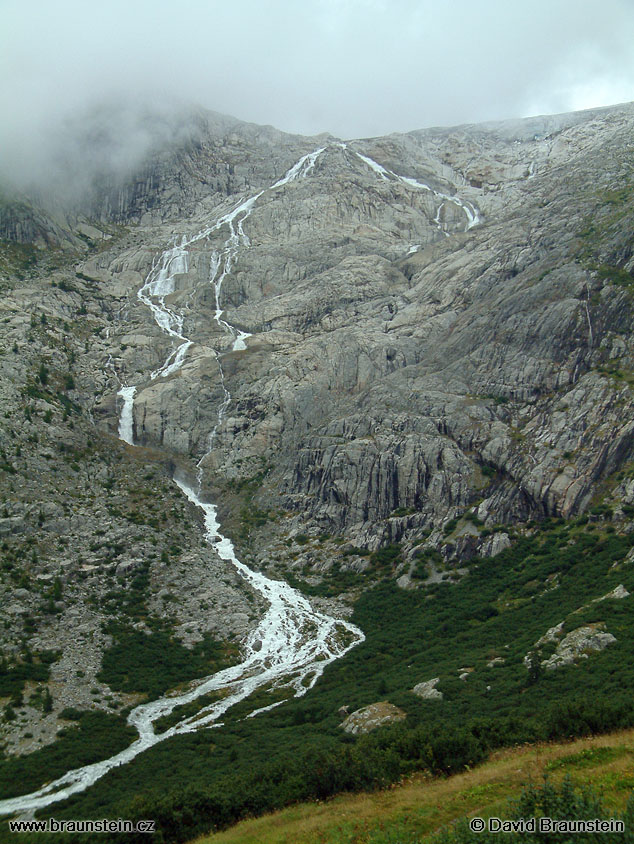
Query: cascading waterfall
[(470, 211), (126, 420), (293, 643)]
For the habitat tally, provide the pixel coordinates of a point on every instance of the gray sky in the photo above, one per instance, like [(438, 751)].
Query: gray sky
[(351, 67)]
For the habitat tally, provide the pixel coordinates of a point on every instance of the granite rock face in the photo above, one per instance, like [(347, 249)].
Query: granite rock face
[(412, 349)]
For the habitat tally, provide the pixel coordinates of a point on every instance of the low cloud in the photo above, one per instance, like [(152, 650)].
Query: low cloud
[(351, 67), (62, 158)]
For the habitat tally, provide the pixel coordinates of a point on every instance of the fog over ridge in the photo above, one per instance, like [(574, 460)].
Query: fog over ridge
[(91, 89)]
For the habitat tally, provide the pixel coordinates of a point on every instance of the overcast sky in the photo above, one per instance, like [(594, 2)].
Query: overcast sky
[(350, 67)]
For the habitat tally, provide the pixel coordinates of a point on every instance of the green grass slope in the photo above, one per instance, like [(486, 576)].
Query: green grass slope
[(417, 809)]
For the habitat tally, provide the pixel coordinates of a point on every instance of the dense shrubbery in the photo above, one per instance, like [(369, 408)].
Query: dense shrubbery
[(13, 677), (387, 557), (371, 762), (337, 581), (153, 663), (89, 737)]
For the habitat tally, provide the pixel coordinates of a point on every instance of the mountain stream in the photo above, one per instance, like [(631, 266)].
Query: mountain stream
[(292, 643)]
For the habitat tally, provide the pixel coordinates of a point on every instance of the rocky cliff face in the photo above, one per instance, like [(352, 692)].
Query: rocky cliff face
[(439, 325), (397, 348)]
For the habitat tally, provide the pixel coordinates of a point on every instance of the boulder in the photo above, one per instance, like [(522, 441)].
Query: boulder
[(618, 593), (578, 644), (427, 689), (371, 717)]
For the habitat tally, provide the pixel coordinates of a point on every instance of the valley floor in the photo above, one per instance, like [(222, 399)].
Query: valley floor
[(414, 811)]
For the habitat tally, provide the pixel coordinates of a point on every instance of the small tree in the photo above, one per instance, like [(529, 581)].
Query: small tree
[(47, 703), (57, 589), (535, 669)]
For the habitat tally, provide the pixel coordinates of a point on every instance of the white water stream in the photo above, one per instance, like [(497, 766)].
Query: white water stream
[(126, 420), (293, 643), (470, 211), (290, 647)]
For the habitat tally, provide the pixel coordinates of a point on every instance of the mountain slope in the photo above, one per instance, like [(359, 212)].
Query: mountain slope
[(385, 359)]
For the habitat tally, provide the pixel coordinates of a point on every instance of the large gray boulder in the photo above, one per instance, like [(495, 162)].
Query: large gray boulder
[(372, 717), (579, 644), (427, 689)]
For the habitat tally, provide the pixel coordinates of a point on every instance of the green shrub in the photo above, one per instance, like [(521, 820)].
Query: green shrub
[(565, 801), (450, 526), (155, 662), (12, 679), (390, 555), (94, 736)]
